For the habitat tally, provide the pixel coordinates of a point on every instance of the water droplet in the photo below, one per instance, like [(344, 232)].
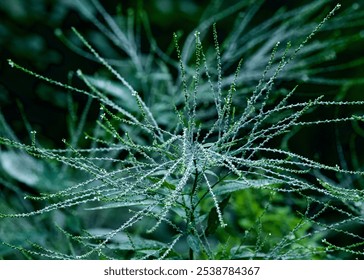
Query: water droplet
[(330, 56), (58, 32), (358, 203), (11, 63), (305, 78), (355, 6), (291, 236)]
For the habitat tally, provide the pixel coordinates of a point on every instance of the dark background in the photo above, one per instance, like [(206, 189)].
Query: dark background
[(27, 36)]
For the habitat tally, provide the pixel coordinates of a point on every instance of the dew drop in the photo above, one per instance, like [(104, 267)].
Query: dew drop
[(11, 63), (330, 56), (355, 6), (305, 78), (358, 203), (58, 32), (291, 236)]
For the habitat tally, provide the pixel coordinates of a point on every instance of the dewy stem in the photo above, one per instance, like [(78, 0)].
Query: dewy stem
[(191, 221), (194, 187)]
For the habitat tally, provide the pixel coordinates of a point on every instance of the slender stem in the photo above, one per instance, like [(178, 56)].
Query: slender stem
[(214, 185), (192, 207), (191, 254), (194, 187)]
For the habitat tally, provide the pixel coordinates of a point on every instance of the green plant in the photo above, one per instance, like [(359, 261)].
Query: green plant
[(198, 181)]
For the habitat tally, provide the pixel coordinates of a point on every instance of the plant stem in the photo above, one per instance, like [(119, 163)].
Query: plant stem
[(191, 221)]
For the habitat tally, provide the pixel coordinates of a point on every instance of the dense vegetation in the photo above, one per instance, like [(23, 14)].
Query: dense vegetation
[(235, 135)]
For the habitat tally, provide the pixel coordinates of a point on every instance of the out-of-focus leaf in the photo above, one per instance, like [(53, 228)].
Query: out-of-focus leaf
[(122, 241), (114, 89), (22, 167), (230, 186)]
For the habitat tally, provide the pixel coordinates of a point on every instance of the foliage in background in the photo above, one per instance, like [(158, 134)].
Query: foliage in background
[(189, 155)]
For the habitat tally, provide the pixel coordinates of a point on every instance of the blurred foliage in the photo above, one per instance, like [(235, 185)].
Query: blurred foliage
[(37, 33)]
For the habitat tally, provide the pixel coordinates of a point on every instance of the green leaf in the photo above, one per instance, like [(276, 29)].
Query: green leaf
[(121, 240), (22, 167), (213, 218), (165, 183), (121, 204), (115, 89), (230, 186), (193, 243)]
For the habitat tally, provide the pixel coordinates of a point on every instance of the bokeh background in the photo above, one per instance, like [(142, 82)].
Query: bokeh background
[(28, 36)]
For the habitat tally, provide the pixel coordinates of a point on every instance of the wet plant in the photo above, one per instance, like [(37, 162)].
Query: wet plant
[(203, 181)]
